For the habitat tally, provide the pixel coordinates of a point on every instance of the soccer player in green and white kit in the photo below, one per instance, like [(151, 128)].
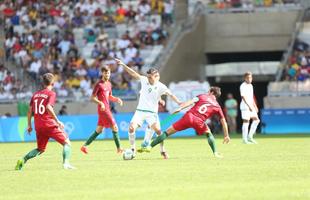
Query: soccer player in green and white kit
[(150, 94)]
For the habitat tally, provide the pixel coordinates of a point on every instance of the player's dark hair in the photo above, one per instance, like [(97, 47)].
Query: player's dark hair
[(47, 79), (216, 91), (247, 74), (105, 68), (152, 71)]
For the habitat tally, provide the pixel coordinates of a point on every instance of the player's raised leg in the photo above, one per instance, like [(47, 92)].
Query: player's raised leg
[(91, 138), (149, 132), (116, 138), (159, 139)]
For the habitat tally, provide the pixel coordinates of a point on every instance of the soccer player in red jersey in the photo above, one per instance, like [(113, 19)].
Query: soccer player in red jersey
[(46, 123), (102, 94), (204, 106)]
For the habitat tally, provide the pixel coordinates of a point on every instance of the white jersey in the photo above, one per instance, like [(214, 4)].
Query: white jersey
[(246, 91), (150, 95)]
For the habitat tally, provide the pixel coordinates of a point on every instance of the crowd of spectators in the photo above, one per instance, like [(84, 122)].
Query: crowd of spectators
[(10, 87), (69, 39), (298, 67)]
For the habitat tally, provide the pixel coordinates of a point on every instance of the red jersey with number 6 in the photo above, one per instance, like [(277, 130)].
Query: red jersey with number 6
[(206, 106), (38, 102)]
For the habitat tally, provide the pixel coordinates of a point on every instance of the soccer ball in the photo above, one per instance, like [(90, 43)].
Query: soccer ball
[(128, 154)]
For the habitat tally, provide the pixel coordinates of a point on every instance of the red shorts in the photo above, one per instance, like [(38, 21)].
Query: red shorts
[(191, 121), (106, 119), (44, 134)]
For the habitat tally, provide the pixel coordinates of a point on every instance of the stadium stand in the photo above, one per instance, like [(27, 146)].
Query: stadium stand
[(74, 38)]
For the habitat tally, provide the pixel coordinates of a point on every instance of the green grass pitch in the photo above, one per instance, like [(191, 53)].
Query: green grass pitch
[(277, 168)]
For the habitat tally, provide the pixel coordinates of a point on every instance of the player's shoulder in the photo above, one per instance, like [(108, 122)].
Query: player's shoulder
[(143, 78), (161, 84), (202, 96)]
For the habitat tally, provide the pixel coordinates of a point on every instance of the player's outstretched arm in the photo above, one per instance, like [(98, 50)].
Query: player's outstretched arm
[(174, 98), (50, 110), (130, 71), (225, 130), (184, 105), (29, 116)]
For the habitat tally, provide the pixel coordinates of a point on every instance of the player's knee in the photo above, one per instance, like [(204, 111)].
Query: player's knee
[(256, 121), (131, 129), (115, 129), (67, 142), (158, 131), (41, 151), (99, 130)]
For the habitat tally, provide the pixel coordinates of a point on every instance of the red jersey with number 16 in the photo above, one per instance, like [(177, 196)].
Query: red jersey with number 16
[(206, 106), (38, 102)]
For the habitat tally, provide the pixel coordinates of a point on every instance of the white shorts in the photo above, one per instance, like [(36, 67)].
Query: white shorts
[(247, 115), (140, 116)]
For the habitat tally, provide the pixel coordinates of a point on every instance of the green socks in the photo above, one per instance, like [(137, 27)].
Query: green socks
[(159, 139), (91, 138), (116, 139), (211, 142), (66, 153), (33, 153)]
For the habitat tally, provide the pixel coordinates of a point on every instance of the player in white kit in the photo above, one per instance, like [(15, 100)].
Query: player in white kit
[(147, 110), (248, 109)]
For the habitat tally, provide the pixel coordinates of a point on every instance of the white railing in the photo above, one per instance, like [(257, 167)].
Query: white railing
[(288, 88)]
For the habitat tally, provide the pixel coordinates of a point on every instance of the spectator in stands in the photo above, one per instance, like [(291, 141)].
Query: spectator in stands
[(38, 49), (34, 68), (131, 15), (231, 107), (168, 11), (144, 8), (63, 110), (3, 94)]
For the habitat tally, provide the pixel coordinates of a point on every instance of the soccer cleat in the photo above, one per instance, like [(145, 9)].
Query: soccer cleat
[(146, 149), (68, 166), (252, 141), (217, 155), (119, 150), (84, 149), (246, 142), (164, 154), (19, 165)]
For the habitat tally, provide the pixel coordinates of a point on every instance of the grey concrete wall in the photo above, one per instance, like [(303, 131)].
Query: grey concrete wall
[(248, 32), (287, 102), (188, 58)]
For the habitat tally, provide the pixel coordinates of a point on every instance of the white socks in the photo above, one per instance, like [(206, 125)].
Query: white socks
[(148, 136), (245, 130), (253, 128), (132, 140)]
